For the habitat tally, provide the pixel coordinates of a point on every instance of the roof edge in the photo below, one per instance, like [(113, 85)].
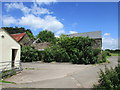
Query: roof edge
[(8, 34)]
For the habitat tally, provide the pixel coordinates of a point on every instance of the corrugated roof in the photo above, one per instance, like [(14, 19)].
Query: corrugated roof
[(95, 34), (18, 36)]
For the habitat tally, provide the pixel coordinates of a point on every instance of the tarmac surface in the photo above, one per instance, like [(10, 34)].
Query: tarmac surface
[(58, 75)]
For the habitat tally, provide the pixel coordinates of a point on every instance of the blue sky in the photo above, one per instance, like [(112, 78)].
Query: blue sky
[(65, 17)]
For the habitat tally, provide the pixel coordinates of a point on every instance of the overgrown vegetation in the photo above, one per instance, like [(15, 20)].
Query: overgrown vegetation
[(29, 54), (109, 80), (14, 30), (7, 73), (78, 50), (46, 36)]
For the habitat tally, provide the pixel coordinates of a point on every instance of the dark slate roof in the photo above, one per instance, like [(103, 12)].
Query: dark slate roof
[(94, 35)]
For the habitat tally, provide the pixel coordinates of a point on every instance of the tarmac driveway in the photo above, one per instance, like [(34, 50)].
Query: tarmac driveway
[(36, 71), (58, 75)]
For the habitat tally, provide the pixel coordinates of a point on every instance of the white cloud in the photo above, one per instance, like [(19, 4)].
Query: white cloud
[(51, 23), (47, 2), (72, 32), (19, 6), (32, 18), (59, 32), (35, 9), (48, 22), (107, 34), (109, 43), (7, 20), (38, 11)]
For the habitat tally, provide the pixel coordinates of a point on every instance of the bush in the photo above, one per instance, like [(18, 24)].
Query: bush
[(109, 80), (104, 55), (78, 50), (55, 53), (29, 54)]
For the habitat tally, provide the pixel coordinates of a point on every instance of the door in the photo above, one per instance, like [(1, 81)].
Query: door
[(14, 52)]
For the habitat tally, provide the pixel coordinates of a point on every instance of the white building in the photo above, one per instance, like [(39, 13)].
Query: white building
[(9, 52)]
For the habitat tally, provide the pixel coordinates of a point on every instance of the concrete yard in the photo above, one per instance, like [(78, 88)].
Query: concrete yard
[(58, 75)]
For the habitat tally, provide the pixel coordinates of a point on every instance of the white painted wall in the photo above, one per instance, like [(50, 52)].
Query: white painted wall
[(6, 45), (0, 50)]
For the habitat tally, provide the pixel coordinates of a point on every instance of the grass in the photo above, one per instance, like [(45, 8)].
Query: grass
[(7, 73), (115, 54), (7, 82)]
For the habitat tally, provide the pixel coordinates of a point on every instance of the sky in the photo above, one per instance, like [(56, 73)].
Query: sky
[(65, 18)]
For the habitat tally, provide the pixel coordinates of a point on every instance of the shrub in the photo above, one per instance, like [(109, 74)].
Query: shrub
[(55, 53), (78, 50), (104, 55), (29, 54), (109, 80)]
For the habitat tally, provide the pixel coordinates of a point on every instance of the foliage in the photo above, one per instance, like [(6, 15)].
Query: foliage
[(113, 51), (14, 30), (7, 73), (78, 50), (29, 54), (109, 80), (46, 36), (104, 55), (30, 34), (55, 53)]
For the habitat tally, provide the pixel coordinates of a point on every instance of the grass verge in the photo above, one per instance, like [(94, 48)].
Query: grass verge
[(7, 82)]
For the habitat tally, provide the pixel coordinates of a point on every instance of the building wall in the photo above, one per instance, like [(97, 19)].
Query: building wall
[(26, 41), (98, 43), (8, 43), (0, 50)]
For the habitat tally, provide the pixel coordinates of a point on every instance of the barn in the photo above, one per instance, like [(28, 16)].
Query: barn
[(9, 52)]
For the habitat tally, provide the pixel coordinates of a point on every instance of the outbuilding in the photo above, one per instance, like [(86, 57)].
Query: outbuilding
[(9, 52)]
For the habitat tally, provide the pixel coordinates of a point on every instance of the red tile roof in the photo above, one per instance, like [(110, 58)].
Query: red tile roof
[(18, 37)]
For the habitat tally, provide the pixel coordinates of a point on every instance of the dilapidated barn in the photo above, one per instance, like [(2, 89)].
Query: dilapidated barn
[(96, 35)]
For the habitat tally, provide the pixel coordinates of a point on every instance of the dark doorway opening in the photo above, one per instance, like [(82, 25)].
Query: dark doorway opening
[(14, 53)]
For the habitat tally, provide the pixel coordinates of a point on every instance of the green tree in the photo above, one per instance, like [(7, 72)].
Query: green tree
[(14, 30), (46, 36), (30, 34)]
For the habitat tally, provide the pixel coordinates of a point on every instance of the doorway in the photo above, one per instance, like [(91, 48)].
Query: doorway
[(14, 53)]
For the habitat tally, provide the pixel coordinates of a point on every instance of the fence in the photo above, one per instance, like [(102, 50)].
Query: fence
[(7, 65)]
